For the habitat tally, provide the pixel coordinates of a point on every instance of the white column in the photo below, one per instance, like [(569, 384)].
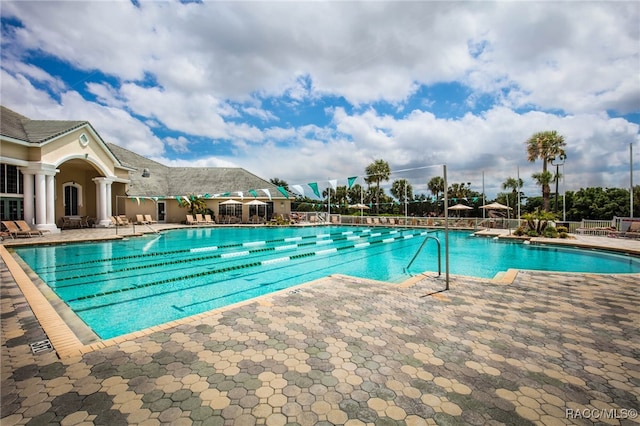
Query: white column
[(41, 199), (51, 204), (27, 201), (109, 204), (103, 201), (45, 202)]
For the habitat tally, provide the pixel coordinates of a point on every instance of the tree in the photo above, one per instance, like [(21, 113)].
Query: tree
[(376, 172), (355, 194), (402, 190), (459, 190), (195, 203), (545, 146), (436, 186), (515, 185), (598, 203), (279, 182)]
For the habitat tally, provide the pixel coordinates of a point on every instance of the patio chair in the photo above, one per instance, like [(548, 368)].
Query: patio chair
[(140, 220), (149, 219), (208, 219), (199, 218), (633, 231), (13, 229), (24, 227), (191, 220), (121, 221), (85, 222)]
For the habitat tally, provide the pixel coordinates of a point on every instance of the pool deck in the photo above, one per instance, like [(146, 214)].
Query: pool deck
[(545, 348)]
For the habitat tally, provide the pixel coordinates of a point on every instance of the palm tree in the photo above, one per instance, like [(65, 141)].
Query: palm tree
[(545, 146), (459, 190), (436, 186), (376, 172), (402, 190), (515, 185), (279, 182)]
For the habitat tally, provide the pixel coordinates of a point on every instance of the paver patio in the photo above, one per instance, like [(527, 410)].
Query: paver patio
[(550, 348)]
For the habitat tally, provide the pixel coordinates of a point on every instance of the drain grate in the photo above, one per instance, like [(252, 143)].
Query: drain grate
[(41, 346)]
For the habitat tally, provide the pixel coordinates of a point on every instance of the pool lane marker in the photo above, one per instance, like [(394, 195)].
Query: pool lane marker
[(204, 249), (195, 259), (227, 269)]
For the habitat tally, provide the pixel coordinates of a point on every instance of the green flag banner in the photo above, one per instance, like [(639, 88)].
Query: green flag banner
[(283, 191), (314, 187), (351, 181), (254, 193)]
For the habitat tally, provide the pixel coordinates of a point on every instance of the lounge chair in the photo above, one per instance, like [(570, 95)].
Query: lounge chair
[(140, 220), (191, 220), (149, 219), (633, 231), (199, 218), (24, 227), (13, 229), (117, 221), (86, 222), (208, 219)]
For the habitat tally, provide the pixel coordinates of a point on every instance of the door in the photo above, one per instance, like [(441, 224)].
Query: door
[(161, 212)]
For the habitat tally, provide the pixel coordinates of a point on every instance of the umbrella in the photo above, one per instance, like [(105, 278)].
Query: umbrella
[(257, 203), (359, 206), (495, 206), (460, 207), (228, 203)]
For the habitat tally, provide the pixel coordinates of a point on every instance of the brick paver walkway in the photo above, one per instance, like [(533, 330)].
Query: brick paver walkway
[(547, 349)]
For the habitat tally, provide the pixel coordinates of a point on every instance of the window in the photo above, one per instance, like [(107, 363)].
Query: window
[(72, 198), (10, 179), (70, 201)]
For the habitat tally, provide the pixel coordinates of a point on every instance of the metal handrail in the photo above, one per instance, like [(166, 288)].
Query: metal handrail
[(406, 269)]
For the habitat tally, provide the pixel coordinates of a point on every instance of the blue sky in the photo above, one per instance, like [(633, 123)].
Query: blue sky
[(316, 91)]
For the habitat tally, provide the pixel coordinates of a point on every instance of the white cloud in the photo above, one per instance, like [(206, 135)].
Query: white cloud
[(198, 69)]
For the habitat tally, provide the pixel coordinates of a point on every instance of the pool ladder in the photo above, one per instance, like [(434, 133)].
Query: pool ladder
[(427, 238)]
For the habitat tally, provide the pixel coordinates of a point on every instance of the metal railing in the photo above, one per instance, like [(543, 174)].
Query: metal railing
[(427, 238)]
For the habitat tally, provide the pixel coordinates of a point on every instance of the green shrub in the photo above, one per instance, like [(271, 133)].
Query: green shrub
[(563, 234), (519, 231), (550, 232), (532, 233), (562, 229)]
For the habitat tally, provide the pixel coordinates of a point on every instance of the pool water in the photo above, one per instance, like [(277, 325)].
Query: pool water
[(117, 287)]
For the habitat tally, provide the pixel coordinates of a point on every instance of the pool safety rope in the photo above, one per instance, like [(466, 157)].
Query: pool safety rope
[(348, 234), (246, 265), (211, 257)]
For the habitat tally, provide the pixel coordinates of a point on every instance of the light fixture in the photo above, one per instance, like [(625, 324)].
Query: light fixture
[(146, 173)]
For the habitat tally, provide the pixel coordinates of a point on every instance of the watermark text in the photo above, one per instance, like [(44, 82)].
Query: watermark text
[(601, 414)]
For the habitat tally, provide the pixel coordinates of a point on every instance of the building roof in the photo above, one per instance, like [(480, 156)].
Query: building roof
[(160, 180), (19, 127), (176, 181)]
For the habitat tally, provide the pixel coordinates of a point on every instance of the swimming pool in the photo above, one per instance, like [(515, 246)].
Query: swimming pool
[(117, 287)]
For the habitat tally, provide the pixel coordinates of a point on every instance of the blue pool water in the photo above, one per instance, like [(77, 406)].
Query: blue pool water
[(117, 287)]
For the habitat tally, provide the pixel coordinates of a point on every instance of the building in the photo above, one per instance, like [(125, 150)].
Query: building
[(51, 170)]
